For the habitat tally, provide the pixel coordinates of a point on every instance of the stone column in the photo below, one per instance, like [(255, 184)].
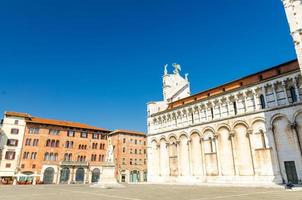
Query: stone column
[(249, 132), (256, 107), (231, 138), (217, 154), (159, 160), (275, 95), (206, 112), (244, 96), (203, 157), (296, 89), (285, 93), (178, 158), (190, 156)]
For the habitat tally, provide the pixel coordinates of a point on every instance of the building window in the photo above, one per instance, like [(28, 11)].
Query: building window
[(131, 161), (135, 151), (144, 151), (130, 151), (25, 155), (27, 142), (124, 140), (22, 166), (10, 155), (70, 133), (16, 122), (35, 142), (293, 94), (235, 107), (7, 165), (135, 141), (14, 131), (83, 134), (124, 149), (34, 130), (124, 161), (212, 113), (12, 142), (54, 132), (33, 155), (262, 101), (95, 136), (33, 166)]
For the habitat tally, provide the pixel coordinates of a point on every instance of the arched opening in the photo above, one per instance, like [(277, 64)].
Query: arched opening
[(64, 175), (262, 101), (225, 152), (48, 176), (134, 176), (293, 94), (243, 150), (80, 174), (95, 175), (210, 155), (287, 150)]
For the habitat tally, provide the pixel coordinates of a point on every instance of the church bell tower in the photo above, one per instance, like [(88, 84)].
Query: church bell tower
[(293, 10)]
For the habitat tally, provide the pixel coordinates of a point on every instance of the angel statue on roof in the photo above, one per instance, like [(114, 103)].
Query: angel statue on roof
[(177, 68)]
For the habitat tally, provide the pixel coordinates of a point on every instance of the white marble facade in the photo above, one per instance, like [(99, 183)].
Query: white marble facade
[(246, 135)]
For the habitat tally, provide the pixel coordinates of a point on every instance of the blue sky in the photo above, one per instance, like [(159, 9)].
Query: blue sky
[(100, 61)]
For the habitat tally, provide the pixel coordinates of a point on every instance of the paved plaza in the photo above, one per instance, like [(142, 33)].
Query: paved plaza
[(143, 192)]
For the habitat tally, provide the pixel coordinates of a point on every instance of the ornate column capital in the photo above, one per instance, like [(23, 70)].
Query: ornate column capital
[(293, 125), (231, 134), (167, 144)]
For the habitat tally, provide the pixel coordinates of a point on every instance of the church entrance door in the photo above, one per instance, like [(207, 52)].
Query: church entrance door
[(291, 172)]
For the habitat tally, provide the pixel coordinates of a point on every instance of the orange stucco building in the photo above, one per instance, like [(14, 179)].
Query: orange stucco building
[(130, 155), (39, 150)]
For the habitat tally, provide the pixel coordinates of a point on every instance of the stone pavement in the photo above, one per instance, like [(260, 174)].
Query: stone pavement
[(144, 192)]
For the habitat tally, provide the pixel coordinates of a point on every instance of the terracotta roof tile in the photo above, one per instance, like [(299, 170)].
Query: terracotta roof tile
[(119, 131), (38, 120)]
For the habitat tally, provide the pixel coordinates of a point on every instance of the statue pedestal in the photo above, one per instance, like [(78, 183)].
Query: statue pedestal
[(107, 179)]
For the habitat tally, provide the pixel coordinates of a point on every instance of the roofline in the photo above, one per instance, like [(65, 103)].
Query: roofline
[(231, 82), (119, 131), (29, 118)]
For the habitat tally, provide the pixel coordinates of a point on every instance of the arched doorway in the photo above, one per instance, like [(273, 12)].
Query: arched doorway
[(95, 175), (48, 175), (64, 175), (80, 173), (134, 176)]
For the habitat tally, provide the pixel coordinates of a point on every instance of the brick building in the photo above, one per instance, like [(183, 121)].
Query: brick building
[(51, 151), (130, 155)]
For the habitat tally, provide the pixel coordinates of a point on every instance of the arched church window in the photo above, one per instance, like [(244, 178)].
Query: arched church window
[(212, 112), (293, 94), (235, 107), (262, 101)]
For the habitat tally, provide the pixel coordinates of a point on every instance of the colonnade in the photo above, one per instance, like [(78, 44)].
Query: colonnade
[(239, 149), (263, 96)]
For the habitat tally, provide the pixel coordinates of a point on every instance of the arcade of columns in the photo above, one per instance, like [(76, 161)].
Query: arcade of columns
[(230, 137)]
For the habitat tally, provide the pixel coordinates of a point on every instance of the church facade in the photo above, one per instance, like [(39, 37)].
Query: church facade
[(248, 131)]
